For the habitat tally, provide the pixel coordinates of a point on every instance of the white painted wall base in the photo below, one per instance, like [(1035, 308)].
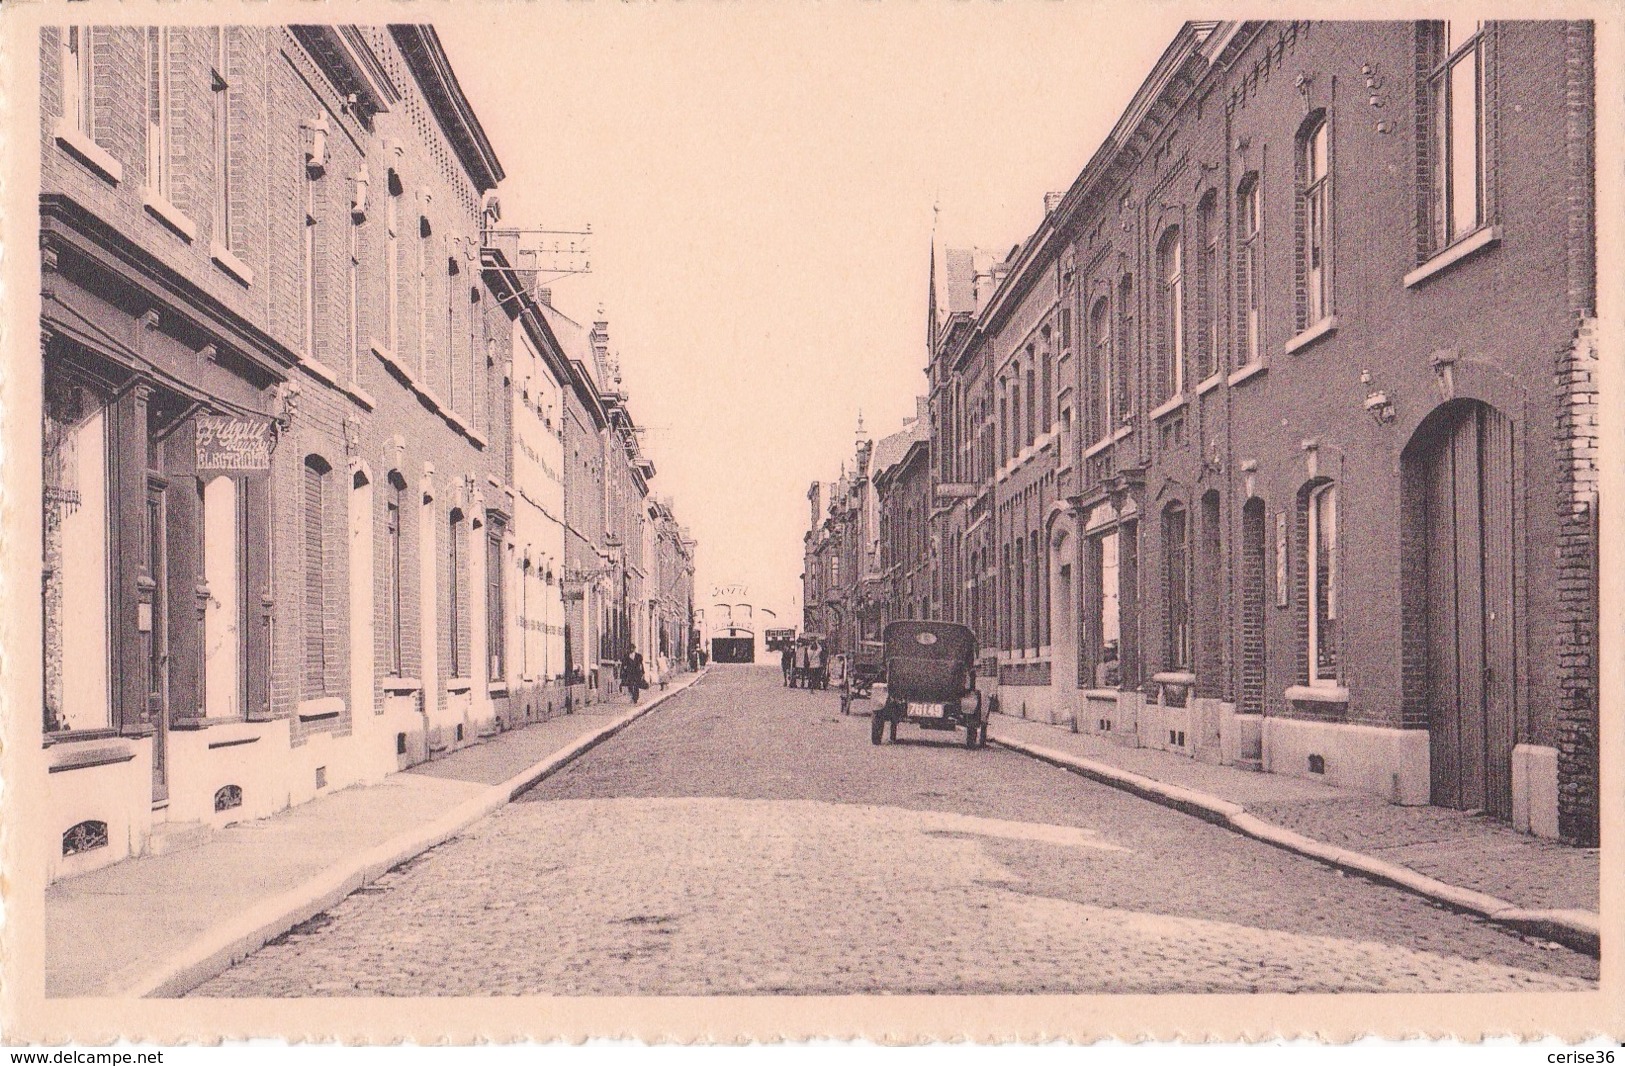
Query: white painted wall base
[(1391, 763), (1534, 790), (1206, 738), (1241, 740), (118, 793), (251, 755)]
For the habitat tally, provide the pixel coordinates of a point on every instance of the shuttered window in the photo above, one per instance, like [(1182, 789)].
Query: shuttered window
[(315, 683)]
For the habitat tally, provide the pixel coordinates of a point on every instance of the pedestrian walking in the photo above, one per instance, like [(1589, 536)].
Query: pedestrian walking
[(632, 674), (787, 661)]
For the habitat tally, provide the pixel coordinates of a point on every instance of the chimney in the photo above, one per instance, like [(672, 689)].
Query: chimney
[(544, 297), (1052, 200), (922, 410)]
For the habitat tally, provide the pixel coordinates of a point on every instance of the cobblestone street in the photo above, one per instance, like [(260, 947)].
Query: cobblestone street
[(744, 838)]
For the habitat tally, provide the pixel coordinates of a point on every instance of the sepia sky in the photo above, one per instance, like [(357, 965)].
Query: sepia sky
[(760, 180)]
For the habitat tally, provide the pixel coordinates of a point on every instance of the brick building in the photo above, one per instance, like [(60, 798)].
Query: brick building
[(903, 493), (1312, 487), (288, 545)]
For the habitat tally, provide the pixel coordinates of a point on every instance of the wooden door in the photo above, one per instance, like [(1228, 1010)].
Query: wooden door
[(1472, 661)]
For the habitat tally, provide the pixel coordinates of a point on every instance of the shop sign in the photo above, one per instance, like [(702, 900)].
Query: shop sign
[(230, 445)]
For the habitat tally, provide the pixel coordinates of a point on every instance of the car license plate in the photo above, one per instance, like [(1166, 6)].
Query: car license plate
[(925, 710)]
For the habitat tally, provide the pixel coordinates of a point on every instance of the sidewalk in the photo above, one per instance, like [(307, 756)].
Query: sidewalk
[(159, 925), (1467, 862)]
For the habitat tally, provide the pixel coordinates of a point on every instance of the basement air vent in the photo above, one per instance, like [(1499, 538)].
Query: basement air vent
[(86, 836), (228, 797), (321, 777)]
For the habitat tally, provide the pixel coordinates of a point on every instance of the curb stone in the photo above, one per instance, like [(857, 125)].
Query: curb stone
[(231, 942), (1576, 929)]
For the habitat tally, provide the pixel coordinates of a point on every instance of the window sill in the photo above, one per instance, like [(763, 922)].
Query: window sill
[(1105, 694), (1317, 694), (1211, 382), (222, 258), (1258, 366), (401, 686), (1099, 446), (182, 725), (1168, 407), (361, 396), (169, 215), (88, 152), (497, 688), (105, 754), (459, 684), (1470, 245), (318, 369), (1175, 677), (1122, 432), (321, 709), (1324, 328)]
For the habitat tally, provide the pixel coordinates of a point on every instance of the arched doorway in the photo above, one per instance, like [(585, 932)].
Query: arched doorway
[(1460, 600)]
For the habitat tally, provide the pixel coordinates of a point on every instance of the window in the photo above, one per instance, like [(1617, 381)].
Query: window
[(1457, 143), (1018, 623), (1048, 414), (1125, 355), (1212, 303), (1176, 587), (77, 558), (159, 148), (1100, 332), (424, 233), (309, 303), (352, 281), (1315, 167), (392, 264), (1004, 421), (454, 593), (1322, 558), (78, 80), (452, 270), (224, 620), (1249, 259), (1032, 402), (220, 84), (315, 605), (393, 575), (1102, 624), (1170, 315), (1036, 583)]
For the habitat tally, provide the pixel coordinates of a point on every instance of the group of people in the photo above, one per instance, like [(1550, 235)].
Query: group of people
[(634, 675), (801, 657)]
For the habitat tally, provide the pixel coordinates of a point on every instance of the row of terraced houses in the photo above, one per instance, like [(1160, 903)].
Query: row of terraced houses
[(1274, 444), (330, 486)]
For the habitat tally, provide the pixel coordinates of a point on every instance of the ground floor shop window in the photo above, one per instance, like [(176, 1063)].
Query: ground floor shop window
[(314, 476), (224, 622), (1176, 578), (1323, 585), (1103, 631), (76, 577), (496, 621)]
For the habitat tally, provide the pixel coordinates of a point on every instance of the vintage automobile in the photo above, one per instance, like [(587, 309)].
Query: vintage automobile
[(863, 668), (930, 675)]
